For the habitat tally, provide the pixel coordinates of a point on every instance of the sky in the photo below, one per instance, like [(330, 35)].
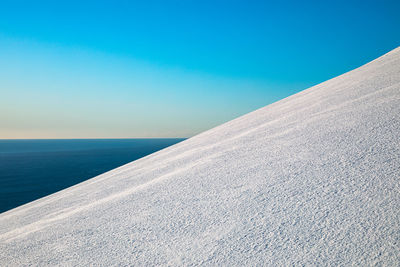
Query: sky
[(140, 69)]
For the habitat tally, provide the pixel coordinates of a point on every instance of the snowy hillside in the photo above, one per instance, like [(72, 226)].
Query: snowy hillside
[(311, 179)]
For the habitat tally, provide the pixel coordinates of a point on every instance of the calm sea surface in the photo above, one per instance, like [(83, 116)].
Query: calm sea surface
[(31, 169)]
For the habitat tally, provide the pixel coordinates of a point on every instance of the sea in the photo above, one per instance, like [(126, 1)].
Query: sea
[(31, 169)]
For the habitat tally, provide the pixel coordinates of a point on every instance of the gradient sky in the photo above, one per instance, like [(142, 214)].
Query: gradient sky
[(112, 69)]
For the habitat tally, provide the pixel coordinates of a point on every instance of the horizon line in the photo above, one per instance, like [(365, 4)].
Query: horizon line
[(110, 138)]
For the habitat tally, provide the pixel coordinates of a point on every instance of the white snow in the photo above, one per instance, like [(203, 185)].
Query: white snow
[(313, 179)]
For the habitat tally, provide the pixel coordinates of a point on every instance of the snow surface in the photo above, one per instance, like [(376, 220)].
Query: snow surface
[(313, 179)]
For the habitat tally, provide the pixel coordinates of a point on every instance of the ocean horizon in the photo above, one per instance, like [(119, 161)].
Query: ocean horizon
[(34, 168)]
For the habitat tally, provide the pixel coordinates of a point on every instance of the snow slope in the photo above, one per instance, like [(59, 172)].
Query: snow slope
[(313, 179)]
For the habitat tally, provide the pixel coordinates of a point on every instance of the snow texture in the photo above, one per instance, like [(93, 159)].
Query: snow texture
[(313, 179)]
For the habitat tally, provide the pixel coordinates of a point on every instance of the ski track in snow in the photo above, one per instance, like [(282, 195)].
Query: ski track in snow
[(312, 179)]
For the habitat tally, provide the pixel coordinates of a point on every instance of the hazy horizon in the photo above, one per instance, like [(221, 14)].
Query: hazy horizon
[(73, 70)]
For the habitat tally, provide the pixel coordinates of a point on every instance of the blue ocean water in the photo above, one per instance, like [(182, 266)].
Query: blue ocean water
[(31, 169)]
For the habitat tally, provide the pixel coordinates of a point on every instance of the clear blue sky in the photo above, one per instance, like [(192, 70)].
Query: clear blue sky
[(109, 69)]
